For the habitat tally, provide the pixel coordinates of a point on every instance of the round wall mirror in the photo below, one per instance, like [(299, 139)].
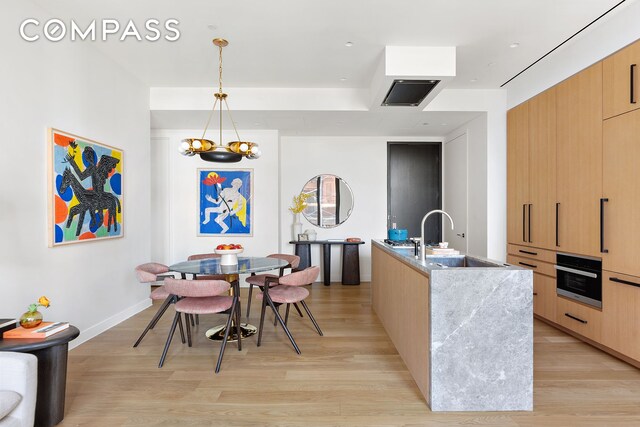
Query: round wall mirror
[(330, 201)]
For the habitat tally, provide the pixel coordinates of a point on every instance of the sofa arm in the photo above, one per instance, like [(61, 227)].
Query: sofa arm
[(19, 373)]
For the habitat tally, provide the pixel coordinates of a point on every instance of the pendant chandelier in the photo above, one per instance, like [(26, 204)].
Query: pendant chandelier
[(207, 149)]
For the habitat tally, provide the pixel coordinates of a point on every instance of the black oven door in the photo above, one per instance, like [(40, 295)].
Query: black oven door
[(581, 285)]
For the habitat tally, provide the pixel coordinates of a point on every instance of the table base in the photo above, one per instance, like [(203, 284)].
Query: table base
[(217, 332)]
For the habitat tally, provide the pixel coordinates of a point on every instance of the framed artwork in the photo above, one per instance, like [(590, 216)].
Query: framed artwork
[(225, 202), (84, 189)]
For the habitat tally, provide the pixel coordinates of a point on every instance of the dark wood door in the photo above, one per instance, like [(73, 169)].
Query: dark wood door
[(414, 187)]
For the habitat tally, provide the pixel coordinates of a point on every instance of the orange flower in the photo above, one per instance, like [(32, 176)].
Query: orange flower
[(44, 301)]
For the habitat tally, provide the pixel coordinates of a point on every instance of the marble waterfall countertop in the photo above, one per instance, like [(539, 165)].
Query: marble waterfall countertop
[(481, 331)]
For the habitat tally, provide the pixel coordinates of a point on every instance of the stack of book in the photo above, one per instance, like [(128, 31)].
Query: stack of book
[(45, 329)]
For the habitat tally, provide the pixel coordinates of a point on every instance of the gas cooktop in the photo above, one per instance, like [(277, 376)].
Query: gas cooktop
[(400, 243)]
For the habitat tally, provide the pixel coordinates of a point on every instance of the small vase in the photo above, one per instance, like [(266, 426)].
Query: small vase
[(30, 319), (296, 228)]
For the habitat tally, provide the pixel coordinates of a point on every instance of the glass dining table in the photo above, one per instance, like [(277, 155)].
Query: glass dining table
[(212, 266)]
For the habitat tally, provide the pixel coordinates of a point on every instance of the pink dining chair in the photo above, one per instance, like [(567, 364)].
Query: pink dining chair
[(203, 297), (288, 291), (260, 279), (153, 273)]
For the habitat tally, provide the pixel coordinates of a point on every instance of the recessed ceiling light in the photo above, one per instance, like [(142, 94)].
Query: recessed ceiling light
[(212, 27), (343, 79), (490, 64), (473, 80), (443, 124), (348, 44), (425, 124), (512, 45), (256, 124)]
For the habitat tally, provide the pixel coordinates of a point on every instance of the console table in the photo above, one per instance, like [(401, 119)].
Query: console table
[(350, 259), (52, 371)]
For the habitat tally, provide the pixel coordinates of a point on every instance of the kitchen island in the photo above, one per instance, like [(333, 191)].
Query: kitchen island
[(462, 324)]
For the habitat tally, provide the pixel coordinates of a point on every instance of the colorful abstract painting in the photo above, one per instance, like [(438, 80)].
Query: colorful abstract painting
[(225, 202), (85, 189)]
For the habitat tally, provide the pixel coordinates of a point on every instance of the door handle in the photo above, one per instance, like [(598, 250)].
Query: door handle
[(632, 75), (530, 241), (576, 318), (574, 271), (524, 236), (557, 218), (602, 248), (460, 234)]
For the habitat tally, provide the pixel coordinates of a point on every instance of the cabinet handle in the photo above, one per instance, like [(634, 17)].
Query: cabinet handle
[(632, 74), (528, 265), (535, 294), (524, 236), (626, 282), (529, 227), (575, 318), (602, 248), (527, 252), (557, 218)]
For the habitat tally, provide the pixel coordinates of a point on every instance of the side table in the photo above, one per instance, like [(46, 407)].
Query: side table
[(350, 259), (52, 371)]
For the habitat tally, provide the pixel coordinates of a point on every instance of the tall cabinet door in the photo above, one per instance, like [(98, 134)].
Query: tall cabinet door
[(621, 74), (542, 170), (579, 161), (517, 174), (621, 186)]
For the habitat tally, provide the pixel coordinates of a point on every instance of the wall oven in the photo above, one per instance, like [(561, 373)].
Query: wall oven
[(579, 278)]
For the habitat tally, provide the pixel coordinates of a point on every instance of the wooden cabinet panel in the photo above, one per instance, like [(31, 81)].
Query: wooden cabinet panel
[(542, 170), (621, 314), (585, 320), (579, 161), (532, 253), (544, 296), (621, 186), (517, 173), (620, 76), (530, 264)]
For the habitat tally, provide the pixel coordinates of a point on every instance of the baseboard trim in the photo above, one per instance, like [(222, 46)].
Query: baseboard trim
[(95, 330)]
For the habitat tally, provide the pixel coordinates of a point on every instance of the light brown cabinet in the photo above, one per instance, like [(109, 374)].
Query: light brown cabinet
[(620, 74), (544, 296), (579, 161), (531, 171), (518, 173), (621, 324), (621, 188), (580, 318)]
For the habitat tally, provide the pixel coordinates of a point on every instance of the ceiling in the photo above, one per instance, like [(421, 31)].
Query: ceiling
[(301, 43)]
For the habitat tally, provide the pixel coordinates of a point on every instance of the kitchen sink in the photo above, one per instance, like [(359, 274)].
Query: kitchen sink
[(459, 261)]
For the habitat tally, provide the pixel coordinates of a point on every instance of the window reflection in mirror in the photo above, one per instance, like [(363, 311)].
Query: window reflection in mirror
[(330, 201)]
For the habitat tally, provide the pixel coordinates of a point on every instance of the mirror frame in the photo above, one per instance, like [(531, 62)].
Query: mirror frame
[(350, 212)]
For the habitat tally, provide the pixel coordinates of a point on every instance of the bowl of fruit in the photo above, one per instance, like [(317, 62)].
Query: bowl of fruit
[(229, 253)]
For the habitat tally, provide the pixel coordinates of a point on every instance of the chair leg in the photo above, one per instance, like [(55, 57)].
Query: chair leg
[(167, 302), (197, 319), (295, 304), (286, 330), (181, 330), (226, 336), (189, 323), (249, 300), (193, 323), (286, 316), (264, 306), (275, 319), (304, 305), (238, 325), (172, 330)]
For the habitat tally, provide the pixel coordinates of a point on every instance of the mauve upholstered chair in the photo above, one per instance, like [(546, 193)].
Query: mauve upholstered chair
[(289, 291), (153, 272), (204, 297), (260, 279)]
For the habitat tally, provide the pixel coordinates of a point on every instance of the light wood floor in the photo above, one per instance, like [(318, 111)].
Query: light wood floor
[(350, 377)]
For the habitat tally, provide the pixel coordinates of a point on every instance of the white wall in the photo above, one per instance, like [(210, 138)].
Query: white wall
[(362, 163), (176, 191), (73, 87), (477, 182), (617, 30)]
